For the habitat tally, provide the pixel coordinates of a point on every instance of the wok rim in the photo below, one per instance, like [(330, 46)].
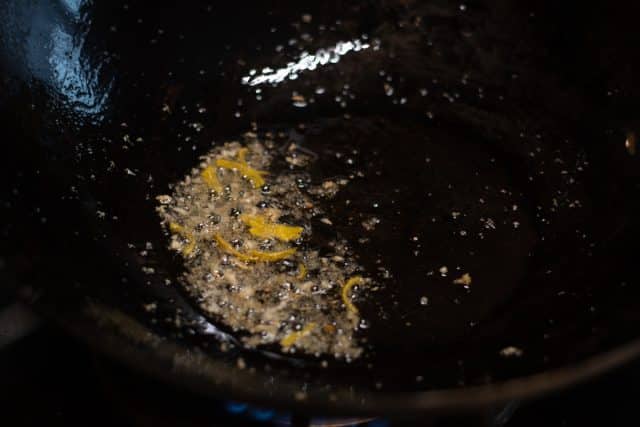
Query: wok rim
[(243, 386)]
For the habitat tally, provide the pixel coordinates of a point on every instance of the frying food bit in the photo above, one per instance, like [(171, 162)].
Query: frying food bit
[(259, 226), (630, 143), (189, 247), (242, 271), (464, 280)]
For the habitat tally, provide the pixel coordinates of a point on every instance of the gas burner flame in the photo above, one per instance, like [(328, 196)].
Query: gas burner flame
[(286, 419)]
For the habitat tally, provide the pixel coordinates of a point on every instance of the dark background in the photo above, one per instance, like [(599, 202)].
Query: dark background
[(48, 375)]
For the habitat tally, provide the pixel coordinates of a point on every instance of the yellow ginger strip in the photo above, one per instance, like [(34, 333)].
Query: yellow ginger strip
[(259, 226), (302, 271), (253, 255), (293, 337), (178, 229), (243, 167), (355, 280), (210, 177)]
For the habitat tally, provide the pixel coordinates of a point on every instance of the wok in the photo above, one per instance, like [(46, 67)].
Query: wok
[(495, 138)]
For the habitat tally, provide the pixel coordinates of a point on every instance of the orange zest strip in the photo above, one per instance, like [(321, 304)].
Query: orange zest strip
[(346, 289), (272, 256), (210, 177), (302, 271), (252, 255), (242, 154), (259, 226), (293, 337), (241, 165)]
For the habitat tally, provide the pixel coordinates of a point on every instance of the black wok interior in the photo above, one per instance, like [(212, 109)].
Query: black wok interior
[(517, 112)]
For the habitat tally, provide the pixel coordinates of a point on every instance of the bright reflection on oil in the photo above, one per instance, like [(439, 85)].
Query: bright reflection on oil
[(73, 6), (306, 62), (51, 49), (73, 76)]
